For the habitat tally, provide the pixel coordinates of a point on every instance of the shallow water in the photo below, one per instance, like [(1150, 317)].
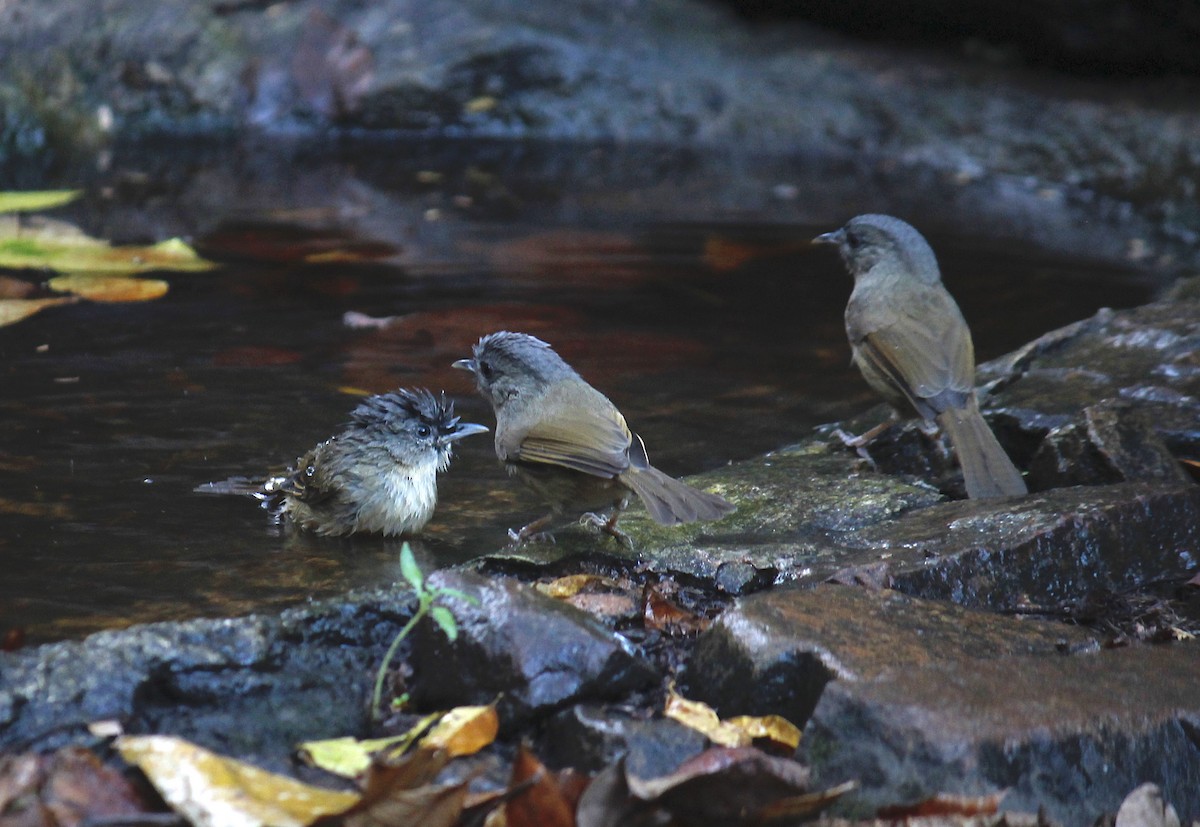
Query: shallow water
[(714, 327)]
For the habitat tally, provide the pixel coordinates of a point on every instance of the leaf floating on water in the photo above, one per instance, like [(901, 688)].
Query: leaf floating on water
[(100, 288), (32, 201), (210, 790), (46, 244), (14, 310)]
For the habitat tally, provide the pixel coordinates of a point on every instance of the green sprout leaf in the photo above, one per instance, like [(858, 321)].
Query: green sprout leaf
[(410, 569), (444, 618)]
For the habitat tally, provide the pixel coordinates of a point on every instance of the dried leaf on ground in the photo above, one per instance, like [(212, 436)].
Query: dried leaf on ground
[(36, 200), (464, 730), (63, 789), (543, 802), (944, 804), (14, 310), (607, 802), (402, 794), (210, 790), (724, 787), (104, 288), (740, 731), (350, 757), (45, 244), (560, 588), (659, 612)]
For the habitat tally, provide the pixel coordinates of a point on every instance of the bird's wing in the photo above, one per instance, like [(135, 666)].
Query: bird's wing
[(922, 344), (307, 483), (577, 428)]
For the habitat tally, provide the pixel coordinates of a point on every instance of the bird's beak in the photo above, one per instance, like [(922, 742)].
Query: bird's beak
[(464, 429), (835, 237), (465, 364)]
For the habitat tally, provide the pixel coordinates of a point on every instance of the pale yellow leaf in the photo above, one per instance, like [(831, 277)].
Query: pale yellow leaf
[(740, 731), (14, 310), (349, 757), (570, 585), (210, 790), (464, 730), (105, 288), (776, 728), (46, 244), (30, 201)]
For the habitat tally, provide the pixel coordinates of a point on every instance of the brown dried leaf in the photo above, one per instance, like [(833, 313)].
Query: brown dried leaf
[(64, 789), (723, 787), (542, 803), (944, 804), (662, 614)]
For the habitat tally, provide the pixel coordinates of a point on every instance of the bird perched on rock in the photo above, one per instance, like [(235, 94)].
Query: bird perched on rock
[(912, 345), (567, 442), (379, 475)]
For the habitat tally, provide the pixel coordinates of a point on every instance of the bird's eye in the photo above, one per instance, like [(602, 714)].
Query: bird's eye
[(485, 370), (423, 431), (853, 239)]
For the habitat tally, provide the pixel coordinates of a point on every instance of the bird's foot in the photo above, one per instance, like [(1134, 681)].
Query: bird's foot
[(607, 525), (531, 533), (858, 443)]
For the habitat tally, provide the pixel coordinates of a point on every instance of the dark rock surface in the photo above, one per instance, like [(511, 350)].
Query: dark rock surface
[(527, 652), (251, 686), (914, 697)]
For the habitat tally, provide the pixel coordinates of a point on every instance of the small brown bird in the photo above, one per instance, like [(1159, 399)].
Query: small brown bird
[(379, 475), (913, 346), (567, 442)]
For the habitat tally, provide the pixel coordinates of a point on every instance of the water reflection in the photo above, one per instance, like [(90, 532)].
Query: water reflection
[(718, 339)]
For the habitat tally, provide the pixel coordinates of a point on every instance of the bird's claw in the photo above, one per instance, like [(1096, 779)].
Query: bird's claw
[(607, 525), (858, 443), (520, 538)]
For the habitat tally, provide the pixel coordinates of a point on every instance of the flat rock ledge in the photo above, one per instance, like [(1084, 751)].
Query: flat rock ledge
[(909, 672)]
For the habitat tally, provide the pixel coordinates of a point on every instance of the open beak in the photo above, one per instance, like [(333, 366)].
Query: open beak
[(463, 429), (465, 364), (835, 237)]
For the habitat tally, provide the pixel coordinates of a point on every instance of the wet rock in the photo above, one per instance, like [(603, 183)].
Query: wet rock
[(251, 686), (924, 697), (529, 653), (592, 736), (774, 653)]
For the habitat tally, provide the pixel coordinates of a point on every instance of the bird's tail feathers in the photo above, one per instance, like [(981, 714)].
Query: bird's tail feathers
[(671, 502), (987, 470)]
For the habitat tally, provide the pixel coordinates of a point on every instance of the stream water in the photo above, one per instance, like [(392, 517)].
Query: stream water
[(712, 325)]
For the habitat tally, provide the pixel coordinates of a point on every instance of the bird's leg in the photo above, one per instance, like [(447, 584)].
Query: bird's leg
[(608, 525), (859, 443), (532, 533), (933, 433)]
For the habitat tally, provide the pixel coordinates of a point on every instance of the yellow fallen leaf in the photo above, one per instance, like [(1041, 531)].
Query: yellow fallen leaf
[(775, 728), (570, 585), (464, 730), (30, 201), (14, 310), (740, 731), (349, 757), (210, 790), (46, 244), (702, 718), (102, 288)]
